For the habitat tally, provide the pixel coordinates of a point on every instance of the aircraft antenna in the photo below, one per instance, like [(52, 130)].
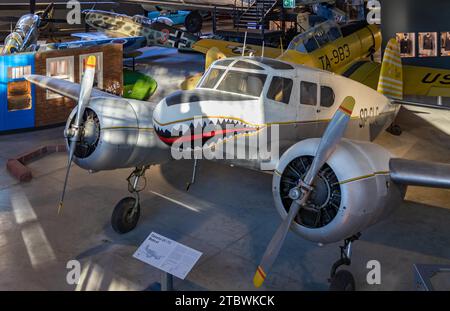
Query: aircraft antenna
[(263, 46), (245, 43)]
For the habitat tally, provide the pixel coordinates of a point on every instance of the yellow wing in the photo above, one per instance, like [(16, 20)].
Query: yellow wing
[(233, 49), (417, 81)]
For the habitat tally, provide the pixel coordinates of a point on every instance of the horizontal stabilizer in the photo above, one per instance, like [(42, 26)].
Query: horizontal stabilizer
[(420, 173)]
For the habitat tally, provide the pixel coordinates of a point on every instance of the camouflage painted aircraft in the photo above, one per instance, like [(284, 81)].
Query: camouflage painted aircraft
[(156, 33)]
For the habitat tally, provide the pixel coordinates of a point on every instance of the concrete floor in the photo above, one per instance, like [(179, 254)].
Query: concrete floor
[(228, 215)]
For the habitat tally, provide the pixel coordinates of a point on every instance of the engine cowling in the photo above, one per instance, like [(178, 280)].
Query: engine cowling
[(352, 191), (117, 133)]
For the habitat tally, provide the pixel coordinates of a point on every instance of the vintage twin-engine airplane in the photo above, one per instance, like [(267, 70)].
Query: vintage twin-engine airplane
[(155, 33), (346, 50), (25, 35), (320, 186)]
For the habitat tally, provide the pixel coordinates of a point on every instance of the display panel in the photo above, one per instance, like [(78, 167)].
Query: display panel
[(428, 44), (60, 68), (445, 43), (19, 90), (407, 41)]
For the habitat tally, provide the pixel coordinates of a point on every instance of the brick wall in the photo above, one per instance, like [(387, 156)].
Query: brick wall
[(57, 110)]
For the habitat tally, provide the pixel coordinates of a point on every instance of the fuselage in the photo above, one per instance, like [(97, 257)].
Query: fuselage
[(277, 102), (24, 36)]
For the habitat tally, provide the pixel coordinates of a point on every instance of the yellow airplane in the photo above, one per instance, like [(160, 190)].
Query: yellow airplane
[(345, 50)]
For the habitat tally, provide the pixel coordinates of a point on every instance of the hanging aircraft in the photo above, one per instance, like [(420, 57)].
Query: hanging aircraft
[(25, 35), (194, 20), (155, 32), (320, 185), (346, 50)]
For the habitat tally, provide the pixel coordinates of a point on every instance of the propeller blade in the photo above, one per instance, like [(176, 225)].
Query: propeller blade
[(83, 100), (333, 134)]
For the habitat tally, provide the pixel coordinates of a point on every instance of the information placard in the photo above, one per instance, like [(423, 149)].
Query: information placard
[(167, 255)]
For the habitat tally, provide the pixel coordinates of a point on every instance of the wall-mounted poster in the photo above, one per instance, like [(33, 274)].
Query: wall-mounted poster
[(428, 44), (407, 41), (445, 43)]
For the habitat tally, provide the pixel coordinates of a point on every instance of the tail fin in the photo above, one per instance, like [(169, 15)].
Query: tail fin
[(391, 74), (212, 55)]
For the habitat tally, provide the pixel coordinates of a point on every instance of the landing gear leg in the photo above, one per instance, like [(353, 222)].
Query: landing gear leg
[(126, 213), (343, 280)]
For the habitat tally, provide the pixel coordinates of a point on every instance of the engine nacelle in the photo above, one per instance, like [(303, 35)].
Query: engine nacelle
[(117, 133), (352, 191)]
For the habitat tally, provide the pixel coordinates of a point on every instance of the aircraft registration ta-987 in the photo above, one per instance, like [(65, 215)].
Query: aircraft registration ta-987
[(155, 33), (347, 51), (320, 185), (25, 35)]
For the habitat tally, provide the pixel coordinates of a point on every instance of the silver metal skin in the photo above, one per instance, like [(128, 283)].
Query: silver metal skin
[(333, 134), (420, 173), (24, 36), (367, 193), (127, 138)]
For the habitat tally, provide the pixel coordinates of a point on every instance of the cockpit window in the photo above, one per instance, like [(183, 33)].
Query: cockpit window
[(280, 90), (225, 62), (212, 78), (244, 83), (316, 37), (247, 65)]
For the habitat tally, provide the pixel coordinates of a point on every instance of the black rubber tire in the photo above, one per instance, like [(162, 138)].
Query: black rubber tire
[(396, 130), (193, 22), (121, 221), (343, 281)]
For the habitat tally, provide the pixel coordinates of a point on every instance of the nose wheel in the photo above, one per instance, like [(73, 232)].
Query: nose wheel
[(127, 212)]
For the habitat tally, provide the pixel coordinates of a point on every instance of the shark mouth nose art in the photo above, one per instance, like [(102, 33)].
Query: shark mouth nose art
[(204, 129)]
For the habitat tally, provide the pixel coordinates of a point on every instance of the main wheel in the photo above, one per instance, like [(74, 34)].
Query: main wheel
[(125, 216), (395, 130), (193, 22), (343, 281)]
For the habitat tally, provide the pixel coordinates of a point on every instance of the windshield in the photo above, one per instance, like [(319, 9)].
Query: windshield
[(213, 76), (244, 83)]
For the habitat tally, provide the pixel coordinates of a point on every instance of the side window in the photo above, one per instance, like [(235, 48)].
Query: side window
[(326, 96), (308, 93), (280, 90)]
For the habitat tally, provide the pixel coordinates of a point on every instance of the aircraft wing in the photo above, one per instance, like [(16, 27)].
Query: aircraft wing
[(63, 87), (233, 49), (420, 173), (418, 81), (91, 35)]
